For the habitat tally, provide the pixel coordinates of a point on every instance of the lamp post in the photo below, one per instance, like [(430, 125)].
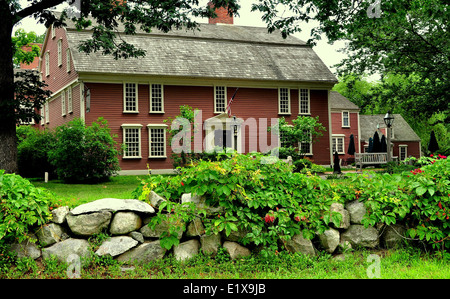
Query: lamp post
[(235, 131), (389, 121)]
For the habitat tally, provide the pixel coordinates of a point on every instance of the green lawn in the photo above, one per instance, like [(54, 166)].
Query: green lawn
[(75, 194)]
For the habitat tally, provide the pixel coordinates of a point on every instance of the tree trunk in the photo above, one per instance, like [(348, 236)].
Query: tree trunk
[(8, 140)]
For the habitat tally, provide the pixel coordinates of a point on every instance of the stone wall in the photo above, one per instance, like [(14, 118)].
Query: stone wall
[(133, 240)]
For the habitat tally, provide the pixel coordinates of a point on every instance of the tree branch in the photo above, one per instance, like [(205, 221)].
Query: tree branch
[(35, 8)]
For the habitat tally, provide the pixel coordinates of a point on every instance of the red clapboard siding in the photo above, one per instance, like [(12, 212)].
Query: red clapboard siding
[(257, 103)]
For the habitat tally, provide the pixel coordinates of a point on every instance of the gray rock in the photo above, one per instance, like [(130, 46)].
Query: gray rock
[(113, 205), (330, 240), (358, 235), (62, 250), (155, 199), (164, 226), (235, 250), (125, 222), (300, 244), (89, 224), (200, 202), (186, 250), (116, 246), (195, 228), (26, 248), (338, 207), (137, 236), (50, 234), (59, 215), (357, 210), (210, 243), (393, 236), (143, 253), (236, 236)]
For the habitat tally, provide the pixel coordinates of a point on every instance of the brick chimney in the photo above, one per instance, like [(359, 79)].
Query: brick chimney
[(222, 16), (35, 63)]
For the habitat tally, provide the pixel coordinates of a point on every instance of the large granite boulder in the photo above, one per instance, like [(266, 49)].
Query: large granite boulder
[(113, 205), (89, 224)]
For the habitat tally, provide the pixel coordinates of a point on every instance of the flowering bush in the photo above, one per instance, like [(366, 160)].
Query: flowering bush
[(268, 201), (419, 199), (272, 204)]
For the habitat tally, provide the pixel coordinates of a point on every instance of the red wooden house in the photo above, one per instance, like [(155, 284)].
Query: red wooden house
[(274, 76), (344, 122)]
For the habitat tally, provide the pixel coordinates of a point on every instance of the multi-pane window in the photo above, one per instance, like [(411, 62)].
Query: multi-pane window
[(69, 100), (156, 98), (306, 146), (59, 52), (68, 66), (403, 152), (42, 110), (284, 101), (29, 120), (304, 101), (63, 103), (157, 141), (47, 63), (345, 119), (132, 141), (220, 99), (338, 144), (130, 97)]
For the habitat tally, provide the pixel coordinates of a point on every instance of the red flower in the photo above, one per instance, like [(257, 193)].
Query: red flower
[(182, 184), (297, 219), (431, 155), (440, 205), (269, 218)]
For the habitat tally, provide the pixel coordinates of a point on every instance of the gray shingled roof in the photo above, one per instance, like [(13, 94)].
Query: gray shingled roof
[(216, 51), (338, 101), (402, 130)]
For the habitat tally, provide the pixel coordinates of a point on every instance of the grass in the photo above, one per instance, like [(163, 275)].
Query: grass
[(407, 263), (75, 194)]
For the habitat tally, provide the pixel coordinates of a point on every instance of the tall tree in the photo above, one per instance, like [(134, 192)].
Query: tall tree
[(144, 14), (401, 37)]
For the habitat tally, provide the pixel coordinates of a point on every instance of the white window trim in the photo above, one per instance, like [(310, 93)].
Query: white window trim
[(342, 118), (338, 136), (59, 43), (215, 99), (53, 31), (310, 153), (69, 100), (27, 122), (47, 63), (132, 126), (68, 62), (124, 97), (300, 101), (42, 111), (400, 146), (279, 101), (47, 113), (151, 98), (63, 103), (156, 126)]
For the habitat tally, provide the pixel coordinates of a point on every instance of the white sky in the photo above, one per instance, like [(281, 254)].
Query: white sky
[(328, 53)]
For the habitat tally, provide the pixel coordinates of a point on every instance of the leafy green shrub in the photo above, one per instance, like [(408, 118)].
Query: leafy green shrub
[(84, 153), (268, 200), (23, 206), (33, 151), (419, 199)]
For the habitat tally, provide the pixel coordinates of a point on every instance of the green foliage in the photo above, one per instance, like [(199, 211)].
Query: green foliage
[(269, 201), (84, 153), (33, 151), (23, 207), (22, 38)]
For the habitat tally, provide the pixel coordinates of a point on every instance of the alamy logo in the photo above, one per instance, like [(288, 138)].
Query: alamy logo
[(374, 9)]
